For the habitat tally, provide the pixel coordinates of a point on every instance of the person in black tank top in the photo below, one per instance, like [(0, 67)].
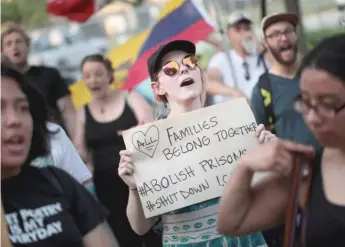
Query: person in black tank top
[(326, 220), (99, 142), (321, 194)]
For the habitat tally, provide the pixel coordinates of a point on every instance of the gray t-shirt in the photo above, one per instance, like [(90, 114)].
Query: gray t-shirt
[(289, 123)]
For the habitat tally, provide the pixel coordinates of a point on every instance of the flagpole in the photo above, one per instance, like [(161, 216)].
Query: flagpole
[(225, 43)]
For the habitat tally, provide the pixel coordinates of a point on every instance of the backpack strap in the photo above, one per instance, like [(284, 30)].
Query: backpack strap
[(264, 85)]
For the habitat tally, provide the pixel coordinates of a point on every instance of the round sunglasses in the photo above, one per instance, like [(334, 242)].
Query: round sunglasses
[(171, 68)]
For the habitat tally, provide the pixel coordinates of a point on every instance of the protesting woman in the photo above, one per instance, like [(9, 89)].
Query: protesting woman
[(43, 206), (98, 140), (177, 80), (246, 209)]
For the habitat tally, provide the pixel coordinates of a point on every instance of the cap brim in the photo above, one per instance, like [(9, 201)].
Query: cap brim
[(177, 45), (243, 20), (289, 17)]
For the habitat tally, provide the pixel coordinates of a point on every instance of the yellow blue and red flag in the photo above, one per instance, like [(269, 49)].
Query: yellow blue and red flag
[(179, 19), (185, 21)]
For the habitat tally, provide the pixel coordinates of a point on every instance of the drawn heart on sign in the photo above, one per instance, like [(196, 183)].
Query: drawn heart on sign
[(146, 142)]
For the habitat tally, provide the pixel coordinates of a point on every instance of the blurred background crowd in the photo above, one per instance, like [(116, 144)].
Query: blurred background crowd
[(61, 43)]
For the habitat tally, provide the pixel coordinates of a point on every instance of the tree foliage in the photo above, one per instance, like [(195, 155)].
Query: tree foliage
[(26, 12), (32, 13)]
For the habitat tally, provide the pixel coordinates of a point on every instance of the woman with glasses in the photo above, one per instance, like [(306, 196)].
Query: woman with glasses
[(245, 209), (177, 80), (98, 139)]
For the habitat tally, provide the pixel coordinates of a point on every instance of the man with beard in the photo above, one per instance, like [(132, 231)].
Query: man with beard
[(277, 88), (15, 45), (244, 59), (280, 39)]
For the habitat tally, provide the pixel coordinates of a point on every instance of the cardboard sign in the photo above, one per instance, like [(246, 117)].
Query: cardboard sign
[(187, 159)]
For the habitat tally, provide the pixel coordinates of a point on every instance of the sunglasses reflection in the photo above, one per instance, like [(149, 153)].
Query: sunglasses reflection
[(171, 68)]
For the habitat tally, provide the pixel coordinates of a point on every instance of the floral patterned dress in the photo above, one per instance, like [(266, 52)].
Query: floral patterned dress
[(195, 226)]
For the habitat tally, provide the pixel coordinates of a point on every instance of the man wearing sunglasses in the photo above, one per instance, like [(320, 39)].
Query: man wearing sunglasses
[(244, 59)]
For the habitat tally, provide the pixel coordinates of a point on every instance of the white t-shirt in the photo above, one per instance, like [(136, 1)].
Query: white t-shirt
[(64, 155), (220, 62)]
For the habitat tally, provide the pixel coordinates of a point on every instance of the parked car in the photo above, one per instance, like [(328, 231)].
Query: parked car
[(60, 48)]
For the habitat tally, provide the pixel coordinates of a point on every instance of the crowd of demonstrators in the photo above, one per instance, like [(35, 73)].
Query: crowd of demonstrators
[(46, 206), (177, 80), (245, 62), (15, 44), (43, 206), (322, 104), (98, 139)]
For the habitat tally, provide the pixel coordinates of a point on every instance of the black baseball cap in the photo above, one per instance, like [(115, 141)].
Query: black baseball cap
[(154, 61)]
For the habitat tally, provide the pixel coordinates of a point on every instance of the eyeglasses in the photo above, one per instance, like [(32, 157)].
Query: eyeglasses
[(323, 110), (171, 68), (278, 34)]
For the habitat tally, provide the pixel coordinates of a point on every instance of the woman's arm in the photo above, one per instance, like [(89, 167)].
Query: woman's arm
[(78, 138), (245, 209), (101, 235), (135, 214), (142, 109)]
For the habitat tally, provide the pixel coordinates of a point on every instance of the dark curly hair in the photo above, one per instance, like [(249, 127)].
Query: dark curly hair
[(38, 109), (99, 59)]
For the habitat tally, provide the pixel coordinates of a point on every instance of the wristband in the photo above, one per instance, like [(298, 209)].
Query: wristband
[(132, 188)]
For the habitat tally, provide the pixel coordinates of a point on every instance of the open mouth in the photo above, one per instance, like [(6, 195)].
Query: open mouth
[(16, 54), (286, 48), (187, 82), (15, 143), (96, 89)]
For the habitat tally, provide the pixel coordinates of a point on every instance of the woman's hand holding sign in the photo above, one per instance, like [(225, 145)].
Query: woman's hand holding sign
[(135, 212), (126, 169)]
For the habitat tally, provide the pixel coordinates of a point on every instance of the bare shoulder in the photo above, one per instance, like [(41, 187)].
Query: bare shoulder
[(135, 97), (141, 108), (137, 101)]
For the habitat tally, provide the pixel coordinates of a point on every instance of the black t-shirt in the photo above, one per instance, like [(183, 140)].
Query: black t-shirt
[(50, 83), (40, 213)]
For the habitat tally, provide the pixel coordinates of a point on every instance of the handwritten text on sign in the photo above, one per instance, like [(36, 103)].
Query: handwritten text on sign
[(187, 159)]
